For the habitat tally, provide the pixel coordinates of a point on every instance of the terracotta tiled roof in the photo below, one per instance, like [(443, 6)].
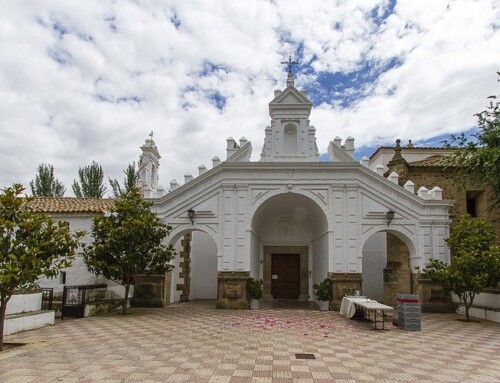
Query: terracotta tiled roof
[(71, 205), (432, 161), (406, 149)]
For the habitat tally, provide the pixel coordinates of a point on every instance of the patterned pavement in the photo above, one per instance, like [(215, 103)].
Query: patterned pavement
[(192, 342)]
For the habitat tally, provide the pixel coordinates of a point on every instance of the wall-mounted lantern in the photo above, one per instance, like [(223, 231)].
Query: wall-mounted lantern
[(191, 214), (389, 216)]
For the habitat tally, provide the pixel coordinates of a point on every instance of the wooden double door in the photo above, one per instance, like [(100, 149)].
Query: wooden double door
[(285, 276)]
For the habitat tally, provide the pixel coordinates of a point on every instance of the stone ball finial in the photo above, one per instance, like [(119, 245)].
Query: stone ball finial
[(398, 142)]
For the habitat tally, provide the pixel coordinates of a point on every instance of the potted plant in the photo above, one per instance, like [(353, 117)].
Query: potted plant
[(322, 294), (254, 289)]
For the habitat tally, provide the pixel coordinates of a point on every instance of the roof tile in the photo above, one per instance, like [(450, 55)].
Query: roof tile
[(71, 205)]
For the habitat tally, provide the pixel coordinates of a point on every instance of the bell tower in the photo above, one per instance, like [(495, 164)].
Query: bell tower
[(290, 138), (148, 168)]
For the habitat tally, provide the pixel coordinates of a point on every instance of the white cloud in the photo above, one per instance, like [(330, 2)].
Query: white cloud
[(84, 81)]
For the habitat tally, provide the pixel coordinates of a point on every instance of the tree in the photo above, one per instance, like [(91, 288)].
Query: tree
[(91, 182), (477, 159), (475, 261), (31, 244), (128, 241), (129, 182), (45, 185)]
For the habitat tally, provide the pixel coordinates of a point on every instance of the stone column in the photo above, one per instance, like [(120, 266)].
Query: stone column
[(343, 284), (232, 289), (185, 267)]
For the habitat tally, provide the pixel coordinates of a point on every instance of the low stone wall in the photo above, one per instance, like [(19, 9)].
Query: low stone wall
[(23, 303), (28, 321), (23, 313), (485, 306)]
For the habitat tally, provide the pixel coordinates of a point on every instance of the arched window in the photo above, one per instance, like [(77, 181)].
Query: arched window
[(290, 138)]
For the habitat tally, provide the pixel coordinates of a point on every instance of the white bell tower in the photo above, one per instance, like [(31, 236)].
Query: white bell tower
[(148, 168), (290, 138)]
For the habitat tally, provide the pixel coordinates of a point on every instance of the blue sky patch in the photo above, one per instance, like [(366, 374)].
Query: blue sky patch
[(217, 99)]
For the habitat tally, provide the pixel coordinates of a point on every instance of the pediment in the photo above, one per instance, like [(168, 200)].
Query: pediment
[(291, 96)]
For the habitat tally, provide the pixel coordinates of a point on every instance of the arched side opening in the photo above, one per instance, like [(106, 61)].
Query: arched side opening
[(289, 246), (386, 266), (195, 273)]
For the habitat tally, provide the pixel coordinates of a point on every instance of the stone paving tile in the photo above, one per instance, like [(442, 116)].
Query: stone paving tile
[(195, 343)]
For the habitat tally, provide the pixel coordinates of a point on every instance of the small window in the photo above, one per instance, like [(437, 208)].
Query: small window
[(62, 277), (472, 198)]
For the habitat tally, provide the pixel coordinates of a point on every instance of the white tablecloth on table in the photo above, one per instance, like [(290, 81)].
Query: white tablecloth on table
[(347, 307)]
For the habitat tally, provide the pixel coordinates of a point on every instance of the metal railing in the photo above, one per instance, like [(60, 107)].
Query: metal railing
[(47, 298), (76, 297)]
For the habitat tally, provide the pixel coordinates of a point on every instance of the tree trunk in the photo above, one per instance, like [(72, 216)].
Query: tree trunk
[(3, 310), (125, 299), (468, 299)]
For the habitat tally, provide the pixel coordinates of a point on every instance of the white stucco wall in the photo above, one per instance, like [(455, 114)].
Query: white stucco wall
[(23, 303), (256, 269), (319, 258), (203, 267), (77, 274), (374, 262)]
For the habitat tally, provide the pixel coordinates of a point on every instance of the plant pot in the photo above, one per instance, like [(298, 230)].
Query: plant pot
[(324, 305), (254, 304)]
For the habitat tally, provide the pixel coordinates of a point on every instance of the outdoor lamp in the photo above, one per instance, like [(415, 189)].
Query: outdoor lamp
[(191, 215), (389, 216)]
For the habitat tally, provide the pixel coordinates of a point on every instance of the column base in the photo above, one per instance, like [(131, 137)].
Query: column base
[(232, 290)]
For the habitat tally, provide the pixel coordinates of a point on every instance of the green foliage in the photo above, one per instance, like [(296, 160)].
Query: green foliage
[(478, 160), (45, 185), (475, 261), (129, 182), (254, 288), (91, 182), (31, 245), (322, 290), (128, 241)]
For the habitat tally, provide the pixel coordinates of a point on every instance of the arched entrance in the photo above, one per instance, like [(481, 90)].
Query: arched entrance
[(195, 273), (289, 246), (386, 266)]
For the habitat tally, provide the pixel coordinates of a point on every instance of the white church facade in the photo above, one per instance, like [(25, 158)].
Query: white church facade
[(288, 219), (293, 220)]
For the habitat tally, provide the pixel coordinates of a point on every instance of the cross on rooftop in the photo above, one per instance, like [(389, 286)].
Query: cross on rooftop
[(290, 64)]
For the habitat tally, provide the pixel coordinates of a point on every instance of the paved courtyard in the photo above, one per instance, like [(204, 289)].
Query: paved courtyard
[(192, 342)]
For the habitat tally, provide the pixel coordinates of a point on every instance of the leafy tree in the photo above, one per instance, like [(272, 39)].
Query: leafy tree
[(477, 159), (475, 261), (31, 244), (129, 182), (91, 182), (45, 185), (128, 241)]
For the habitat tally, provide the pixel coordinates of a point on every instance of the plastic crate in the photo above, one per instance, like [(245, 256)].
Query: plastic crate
[(409, 310)]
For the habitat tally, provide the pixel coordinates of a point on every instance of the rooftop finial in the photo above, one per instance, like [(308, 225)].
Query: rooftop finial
[(151, 134), (290, 64)]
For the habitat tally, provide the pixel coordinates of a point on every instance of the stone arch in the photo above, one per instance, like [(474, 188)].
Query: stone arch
[(385, 263), (259, 201), (289, 229), (197, 263)]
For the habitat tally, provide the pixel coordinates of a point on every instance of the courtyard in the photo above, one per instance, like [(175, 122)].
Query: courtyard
[(193, 342)]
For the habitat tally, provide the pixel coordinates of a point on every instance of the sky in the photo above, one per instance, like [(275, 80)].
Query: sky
[(84, 81)]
